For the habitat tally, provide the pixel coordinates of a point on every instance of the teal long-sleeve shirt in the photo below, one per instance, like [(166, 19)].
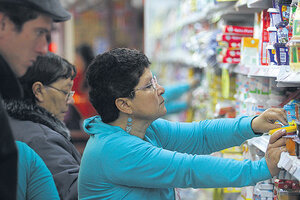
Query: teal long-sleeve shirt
[(35, 182), (117, 165)]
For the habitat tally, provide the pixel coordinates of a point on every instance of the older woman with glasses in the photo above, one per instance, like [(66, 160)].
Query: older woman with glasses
[(132, 154), (37, 120)]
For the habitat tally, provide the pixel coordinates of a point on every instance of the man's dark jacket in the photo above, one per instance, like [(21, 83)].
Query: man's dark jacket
[(9, 88)]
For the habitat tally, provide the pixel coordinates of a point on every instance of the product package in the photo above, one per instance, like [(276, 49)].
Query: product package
[(249, 51), (282, 54)]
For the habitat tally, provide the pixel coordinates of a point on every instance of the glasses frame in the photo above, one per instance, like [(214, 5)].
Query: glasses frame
[(68, 95), (153, 83)]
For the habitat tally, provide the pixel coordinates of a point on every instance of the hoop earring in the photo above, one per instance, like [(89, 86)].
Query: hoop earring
[(129, 125)]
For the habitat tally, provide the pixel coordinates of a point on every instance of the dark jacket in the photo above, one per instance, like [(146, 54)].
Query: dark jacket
[(50, 138), (9, 87)]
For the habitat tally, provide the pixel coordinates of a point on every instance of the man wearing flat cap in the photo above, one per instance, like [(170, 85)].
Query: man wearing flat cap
[(25, 27)]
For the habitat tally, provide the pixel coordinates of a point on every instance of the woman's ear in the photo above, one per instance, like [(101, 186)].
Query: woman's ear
[(38, 91), (124, 105)]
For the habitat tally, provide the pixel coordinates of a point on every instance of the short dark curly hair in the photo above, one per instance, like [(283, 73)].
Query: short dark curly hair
[(114, 74), (47, 70)]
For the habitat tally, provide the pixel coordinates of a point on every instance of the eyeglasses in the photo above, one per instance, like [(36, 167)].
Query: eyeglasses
[(153, 84), (68, 95)]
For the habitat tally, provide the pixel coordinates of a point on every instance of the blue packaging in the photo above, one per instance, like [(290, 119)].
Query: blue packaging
[(282, 54)]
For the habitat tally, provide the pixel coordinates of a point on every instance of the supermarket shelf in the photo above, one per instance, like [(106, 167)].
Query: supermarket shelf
[(183, 22), (193, 18), (241, 69), (244, 9), (262, 71), (285, 77), (227, 11), (288, 78), (240, 8), (180, 57), (263, 4), (287, 162), (290, 164), (230, 13), (240, 3)]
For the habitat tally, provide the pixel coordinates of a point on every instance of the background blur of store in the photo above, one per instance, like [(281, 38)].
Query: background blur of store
[(102, 25), (243, 53)]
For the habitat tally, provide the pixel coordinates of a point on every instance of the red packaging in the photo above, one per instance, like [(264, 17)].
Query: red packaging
[(288, 184), (230, 45), (279, 183), (239, 30), (228, 59), (264, 38), (229, 38), (233, 53), (234, 45), (295, 185)]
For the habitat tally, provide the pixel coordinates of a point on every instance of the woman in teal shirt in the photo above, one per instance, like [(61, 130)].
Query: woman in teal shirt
[(35, 182), (132, 154)]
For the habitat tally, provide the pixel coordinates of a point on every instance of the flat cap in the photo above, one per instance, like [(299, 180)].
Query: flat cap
[(50, 7)]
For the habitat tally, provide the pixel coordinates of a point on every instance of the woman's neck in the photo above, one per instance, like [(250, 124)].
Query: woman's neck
[(138, 127)]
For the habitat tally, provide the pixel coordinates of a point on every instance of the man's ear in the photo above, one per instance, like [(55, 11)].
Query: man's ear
[(38, 90), (124, 105), (3, 21)]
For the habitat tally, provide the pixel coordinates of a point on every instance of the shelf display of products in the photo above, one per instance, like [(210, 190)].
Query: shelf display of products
[(246, 54)]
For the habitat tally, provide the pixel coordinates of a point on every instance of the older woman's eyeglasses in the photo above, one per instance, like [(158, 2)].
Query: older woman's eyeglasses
[(153, 84), (68, 95)]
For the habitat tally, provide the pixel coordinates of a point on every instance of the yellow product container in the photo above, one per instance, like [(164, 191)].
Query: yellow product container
[(292, 128), (232, 190), (235, 149), (294, 49)]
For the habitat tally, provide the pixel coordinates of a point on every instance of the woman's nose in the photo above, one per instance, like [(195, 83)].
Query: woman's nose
[(160, 89)]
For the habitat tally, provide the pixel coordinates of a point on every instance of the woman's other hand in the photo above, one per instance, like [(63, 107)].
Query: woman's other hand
[(266, 121), (275, 147)]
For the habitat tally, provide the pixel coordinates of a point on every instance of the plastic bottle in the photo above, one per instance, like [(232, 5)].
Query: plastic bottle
[(294, 43), (296, 23)]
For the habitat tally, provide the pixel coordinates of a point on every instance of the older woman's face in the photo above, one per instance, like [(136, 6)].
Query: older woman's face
[(56, 99), (148, 102)]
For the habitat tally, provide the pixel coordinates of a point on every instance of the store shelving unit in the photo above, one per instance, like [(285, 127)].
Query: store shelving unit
[(242, 10), (290, 164), (195, 17), (259, 4), (262, 71), (287, 162), (288, 78), (285, 77), (182, 57)]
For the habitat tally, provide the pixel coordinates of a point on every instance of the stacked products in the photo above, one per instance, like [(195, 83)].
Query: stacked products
[(229, 41)]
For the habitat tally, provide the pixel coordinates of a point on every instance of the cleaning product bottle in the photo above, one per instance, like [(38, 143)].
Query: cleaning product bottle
[(294, 43)]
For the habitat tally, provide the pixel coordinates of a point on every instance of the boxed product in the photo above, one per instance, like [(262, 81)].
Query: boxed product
[(282, 53), (274, 16), (264, 37), (238, 30), (249, 51)]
